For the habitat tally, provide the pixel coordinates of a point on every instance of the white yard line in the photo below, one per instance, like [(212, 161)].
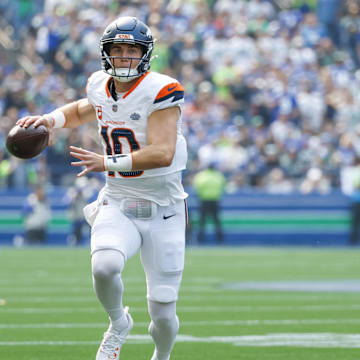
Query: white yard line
[(189, 323), (63, 288), (311, 340), (49, 277), (309, 286), (227, 297), (190, 309)]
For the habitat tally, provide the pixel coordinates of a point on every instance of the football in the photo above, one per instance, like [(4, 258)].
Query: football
[(26, 143)]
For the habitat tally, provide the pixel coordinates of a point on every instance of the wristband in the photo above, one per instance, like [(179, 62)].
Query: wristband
[(122, 162), (57, 118)]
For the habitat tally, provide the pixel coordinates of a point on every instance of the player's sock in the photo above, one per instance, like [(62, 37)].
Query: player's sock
[(163, 328), (106, 268), (157, 356), (119, 324)]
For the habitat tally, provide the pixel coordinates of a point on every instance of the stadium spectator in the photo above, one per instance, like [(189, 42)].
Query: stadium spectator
[(37, 214), (349, 25), (328, 12), (209, 185), (279, 60), (315, 181), (76, 199), (275, 182), (5, 170)]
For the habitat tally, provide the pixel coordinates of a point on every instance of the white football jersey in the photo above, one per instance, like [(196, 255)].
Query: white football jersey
[(122, 126)]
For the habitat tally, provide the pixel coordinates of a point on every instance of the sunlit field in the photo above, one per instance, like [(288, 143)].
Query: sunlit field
[(235, 303)]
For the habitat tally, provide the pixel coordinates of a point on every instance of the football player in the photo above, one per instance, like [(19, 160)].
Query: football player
[(142, 205)]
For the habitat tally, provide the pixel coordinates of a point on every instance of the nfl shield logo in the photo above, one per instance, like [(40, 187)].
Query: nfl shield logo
[(114, 108)]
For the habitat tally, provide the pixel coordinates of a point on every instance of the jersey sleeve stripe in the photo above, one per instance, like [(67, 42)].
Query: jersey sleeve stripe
[(174, 90), (176, 95), (167, 90)]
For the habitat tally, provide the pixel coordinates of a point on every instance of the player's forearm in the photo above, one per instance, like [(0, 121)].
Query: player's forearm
[(75, 114), (152, 157), (70, 111), (149, 157)]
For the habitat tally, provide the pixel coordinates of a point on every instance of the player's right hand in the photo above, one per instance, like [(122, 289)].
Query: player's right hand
[(38, 120)]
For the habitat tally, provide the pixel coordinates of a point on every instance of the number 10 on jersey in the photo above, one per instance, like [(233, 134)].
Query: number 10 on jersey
[(119, 135)]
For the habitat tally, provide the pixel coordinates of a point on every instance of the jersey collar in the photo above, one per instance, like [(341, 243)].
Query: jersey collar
[(110, 87)]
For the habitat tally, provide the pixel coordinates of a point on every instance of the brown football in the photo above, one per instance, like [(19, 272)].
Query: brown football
[(26, 143)]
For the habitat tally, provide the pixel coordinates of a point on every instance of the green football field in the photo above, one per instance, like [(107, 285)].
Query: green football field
[(235, 303)]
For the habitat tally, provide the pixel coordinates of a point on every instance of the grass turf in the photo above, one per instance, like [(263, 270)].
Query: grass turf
[(50, 311)]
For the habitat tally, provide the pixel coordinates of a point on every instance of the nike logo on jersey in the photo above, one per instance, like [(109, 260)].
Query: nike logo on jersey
[(171, 88), (168, 217)]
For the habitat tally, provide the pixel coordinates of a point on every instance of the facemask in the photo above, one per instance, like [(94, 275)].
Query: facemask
[(125, 74)]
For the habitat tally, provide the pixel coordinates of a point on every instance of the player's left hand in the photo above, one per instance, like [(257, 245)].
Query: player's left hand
[(89, 159)]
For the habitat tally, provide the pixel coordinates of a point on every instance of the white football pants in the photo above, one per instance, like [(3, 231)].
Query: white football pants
[(161, 241)]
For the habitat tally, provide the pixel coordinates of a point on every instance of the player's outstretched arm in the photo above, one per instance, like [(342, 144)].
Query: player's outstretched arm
[(161, 140), (78, 113), (159, 151), (69, 116)]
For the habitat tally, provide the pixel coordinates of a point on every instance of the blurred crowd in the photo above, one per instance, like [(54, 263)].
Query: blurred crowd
[(272, 87)]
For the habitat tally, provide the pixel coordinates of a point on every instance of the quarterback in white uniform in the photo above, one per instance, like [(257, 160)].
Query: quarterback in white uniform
[(142, 205)]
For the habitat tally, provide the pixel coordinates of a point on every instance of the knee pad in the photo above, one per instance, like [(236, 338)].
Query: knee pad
[(107, 263)]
